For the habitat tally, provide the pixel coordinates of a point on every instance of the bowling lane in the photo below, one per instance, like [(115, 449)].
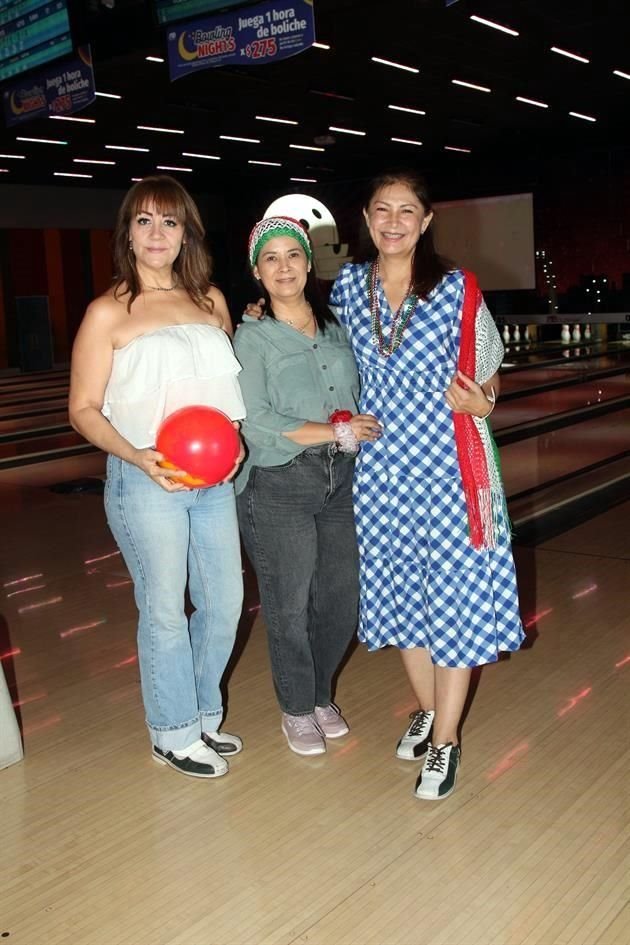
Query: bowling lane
[(526, 377), (39, 444), (561, 453), (509, 413)]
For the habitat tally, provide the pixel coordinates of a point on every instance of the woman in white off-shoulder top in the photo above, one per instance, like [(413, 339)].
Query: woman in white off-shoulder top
[(156, 341)]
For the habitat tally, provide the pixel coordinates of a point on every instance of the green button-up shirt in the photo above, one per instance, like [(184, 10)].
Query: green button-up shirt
[(287, 380)]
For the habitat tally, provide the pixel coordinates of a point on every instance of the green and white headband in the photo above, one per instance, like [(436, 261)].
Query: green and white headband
[(270, 227)]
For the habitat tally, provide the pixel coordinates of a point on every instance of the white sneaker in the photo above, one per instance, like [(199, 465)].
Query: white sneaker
[(439, 772), (414, 743)]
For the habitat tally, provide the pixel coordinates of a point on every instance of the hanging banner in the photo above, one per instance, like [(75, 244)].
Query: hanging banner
[(62, 89), (252, 35)]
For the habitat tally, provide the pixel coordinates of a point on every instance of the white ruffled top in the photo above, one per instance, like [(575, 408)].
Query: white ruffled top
[(163, 370)]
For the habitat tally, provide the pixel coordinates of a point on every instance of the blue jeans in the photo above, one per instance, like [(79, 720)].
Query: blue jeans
[(168, 540), (298, 529)]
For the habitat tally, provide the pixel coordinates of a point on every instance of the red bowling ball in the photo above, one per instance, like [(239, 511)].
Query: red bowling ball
[(200, 440)]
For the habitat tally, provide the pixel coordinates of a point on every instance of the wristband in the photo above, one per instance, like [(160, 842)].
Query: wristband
[(344, 435)]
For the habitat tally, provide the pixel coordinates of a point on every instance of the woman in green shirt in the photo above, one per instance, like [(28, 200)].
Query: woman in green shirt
[(295, 489)]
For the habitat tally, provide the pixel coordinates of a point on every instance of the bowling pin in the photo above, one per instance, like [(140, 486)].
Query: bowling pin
[(526, 337), (587, 332), (517, 333), (577, 334), (565, 334), (506, 334)]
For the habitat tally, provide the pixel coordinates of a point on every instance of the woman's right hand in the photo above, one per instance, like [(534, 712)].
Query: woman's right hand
[(255, 309), (148, 461), (366, 427)]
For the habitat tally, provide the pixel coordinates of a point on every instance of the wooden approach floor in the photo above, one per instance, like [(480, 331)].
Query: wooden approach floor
[(100, 846)]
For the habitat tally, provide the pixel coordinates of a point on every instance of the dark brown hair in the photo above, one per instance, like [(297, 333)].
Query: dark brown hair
[(193, 266), (428, 268)]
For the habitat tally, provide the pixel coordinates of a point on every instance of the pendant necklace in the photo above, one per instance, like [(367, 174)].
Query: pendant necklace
[(400, 319), (291, 324)]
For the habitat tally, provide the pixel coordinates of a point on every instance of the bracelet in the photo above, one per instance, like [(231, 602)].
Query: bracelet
[(343, 432), (492, 400)]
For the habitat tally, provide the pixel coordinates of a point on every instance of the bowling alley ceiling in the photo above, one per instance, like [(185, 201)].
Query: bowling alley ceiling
[(557, 82)]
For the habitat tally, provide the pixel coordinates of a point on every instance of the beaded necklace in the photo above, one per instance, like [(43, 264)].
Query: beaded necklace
[(399, 321)]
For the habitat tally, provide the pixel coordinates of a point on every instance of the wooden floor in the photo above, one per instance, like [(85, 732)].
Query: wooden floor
[(100, 846)]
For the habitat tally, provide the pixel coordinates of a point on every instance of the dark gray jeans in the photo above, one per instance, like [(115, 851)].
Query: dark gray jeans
[(298, 529)]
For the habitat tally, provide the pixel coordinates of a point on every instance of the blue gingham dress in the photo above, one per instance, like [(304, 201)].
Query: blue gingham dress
[(422, 583)]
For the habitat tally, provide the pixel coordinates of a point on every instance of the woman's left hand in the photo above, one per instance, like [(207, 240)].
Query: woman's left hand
[(466, 396)]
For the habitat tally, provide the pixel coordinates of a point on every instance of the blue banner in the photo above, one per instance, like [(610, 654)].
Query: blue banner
[(62, 89), (252, 35)]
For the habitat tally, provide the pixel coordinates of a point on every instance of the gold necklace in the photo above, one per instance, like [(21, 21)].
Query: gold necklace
[(291, 323)]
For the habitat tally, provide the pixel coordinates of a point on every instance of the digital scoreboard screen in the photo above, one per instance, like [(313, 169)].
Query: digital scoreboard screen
[(169, 11), (32, 34)]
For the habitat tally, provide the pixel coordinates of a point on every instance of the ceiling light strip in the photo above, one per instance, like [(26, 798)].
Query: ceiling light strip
[(124, 147), (206, 157), (406, 141), (42, 140), (531, 101), (403, 108), (568, 54), (83, 121), (305, 147), (493, 25), (582, 116), (267, 163), (172, 167), (234, 138), (278, 121), (347, 131), (394, 65), (471, 85), (166, 131)]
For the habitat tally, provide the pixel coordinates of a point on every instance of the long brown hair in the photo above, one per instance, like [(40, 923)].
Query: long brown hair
[(193, 266), (427, 267)]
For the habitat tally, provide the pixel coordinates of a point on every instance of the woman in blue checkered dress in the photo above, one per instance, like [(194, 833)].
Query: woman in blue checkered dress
[(425, 588)]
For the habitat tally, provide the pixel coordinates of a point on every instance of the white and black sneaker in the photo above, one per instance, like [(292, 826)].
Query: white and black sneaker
[(222, 742), (414, 743), (439, 772), (196, 760)]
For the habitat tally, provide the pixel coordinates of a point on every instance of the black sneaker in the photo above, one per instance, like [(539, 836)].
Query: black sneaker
[(222, 742), (414, 743), (199, 761), (439, 772)]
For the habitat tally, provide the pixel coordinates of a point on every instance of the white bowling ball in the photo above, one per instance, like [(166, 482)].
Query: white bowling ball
[(330, 253), (313, 214)]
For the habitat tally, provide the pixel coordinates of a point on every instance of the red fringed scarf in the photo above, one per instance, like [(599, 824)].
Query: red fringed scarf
[(473, 462)]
